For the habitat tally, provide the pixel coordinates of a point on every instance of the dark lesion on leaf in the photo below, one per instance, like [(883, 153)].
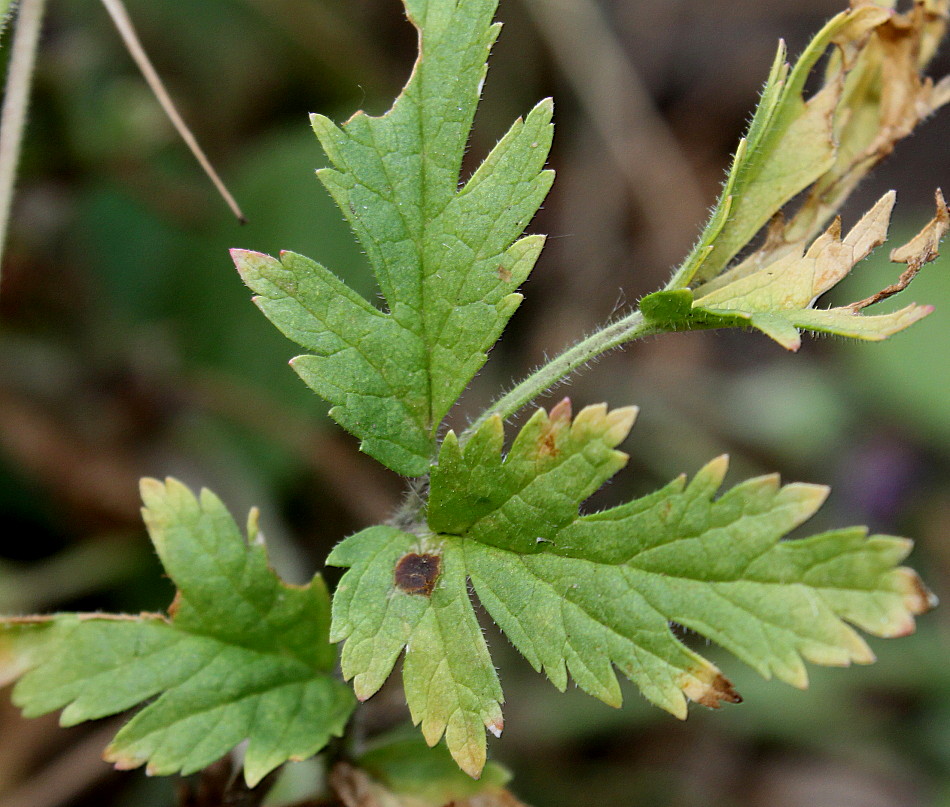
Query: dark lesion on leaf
[(720, 691), (707, 686), (417, 574)]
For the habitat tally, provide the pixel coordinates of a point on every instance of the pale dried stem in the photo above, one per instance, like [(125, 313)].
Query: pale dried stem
[(126, 30), (16, 99)]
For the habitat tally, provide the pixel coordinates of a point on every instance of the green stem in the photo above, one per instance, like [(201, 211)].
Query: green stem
[(26, 38), (631, 327)]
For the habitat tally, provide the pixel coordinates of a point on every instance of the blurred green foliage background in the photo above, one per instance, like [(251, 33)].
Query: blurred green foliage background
[(130, 348)]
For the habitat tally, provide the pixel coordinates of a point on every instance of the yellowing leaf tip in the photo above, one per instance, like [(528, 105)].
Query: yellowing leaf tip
[(714, 471), (614, 425), (620, 423), (124, 762)]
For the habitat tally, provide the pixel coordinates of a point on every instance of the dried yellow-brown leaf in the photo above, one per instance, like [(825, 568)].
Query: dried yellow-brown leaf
[(873, 95), (885, 97), (922, 248)]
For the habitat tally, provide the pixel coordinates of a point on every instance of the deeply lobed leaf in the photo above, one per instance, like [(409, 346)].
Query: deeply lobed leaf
[(776, 292), (450, 683), (448, 258), (241, 656), (525, 497), (582, 595)]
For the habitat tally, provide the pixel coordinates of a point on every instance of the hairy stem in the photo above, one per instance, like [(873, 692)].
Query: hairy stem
[(631, 327), (26, 38)]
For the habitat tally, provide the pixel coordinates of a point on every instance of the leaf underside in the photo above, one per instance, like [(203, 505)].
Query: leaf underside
[(581, 596), (815, 150), (242, 656), (447, 257), (778, 295)]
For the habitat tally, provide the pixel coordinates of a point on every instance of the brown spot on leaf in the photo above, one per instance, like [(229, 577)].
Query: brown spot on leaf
[(417, 574), (711, 688), (504, 274), (548, 445)]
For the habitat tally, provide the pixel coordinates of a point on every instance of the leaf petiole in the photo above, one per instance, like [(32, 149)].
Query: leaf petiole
[(628, 329)]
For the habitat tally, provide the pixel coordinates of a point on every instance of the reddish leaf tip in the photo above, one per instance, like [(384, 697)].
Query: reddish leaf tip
[(561, 412)]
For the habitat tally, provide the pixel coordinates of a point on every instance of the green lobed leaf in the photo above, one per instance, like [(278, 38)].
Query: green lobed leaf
[(450, 684), (242, 655), (520, 501), (580, 596), (448, 259)]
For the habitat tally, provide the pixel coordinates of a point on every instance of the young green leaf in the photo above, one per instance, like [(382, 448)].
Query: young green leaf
[(553, 464), (448, 259), (776, 294), (580, 595), (241, 656)]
